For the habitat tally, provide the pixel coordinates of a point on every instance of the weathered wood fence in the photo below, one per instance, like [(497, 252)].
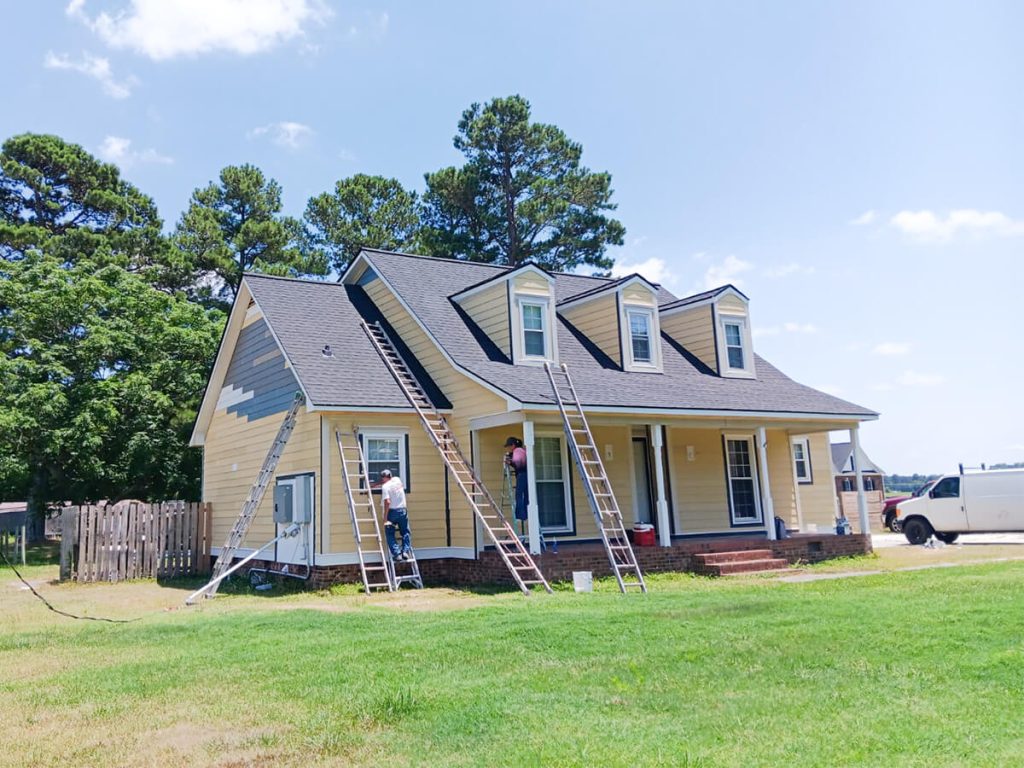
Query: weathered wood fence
[(135, 541)]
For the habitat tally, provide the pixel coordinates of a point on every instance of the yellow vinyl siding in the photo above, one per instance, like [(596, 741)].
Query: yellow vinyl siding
[(425, 481), (234, 452), (532, 284), (619, 470), (817, 499), (694, 330), (699, 491), (598, 320), (732, 305), (489, 310), (638, 295)]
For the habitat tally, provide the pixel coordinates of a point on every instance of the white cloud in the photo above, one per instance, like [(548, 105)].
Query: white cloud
[(728, 271), (784, 270), (799, 328), (927, 225), (96, 67), (916, 379), (768, 330), (881, 387), (652, 269), (118, 150), (891, 349), (864, 219), (165, 29), (287, 134)]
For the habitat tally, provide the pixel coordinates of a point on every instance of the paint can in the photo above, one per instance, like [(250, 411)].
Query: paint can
[(583, 581)]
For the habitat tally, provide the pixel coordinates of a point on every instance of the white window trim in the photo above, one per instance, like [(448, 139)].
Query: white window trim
[(747, 372), (388, 433), (805, 442), (653, 328), (563, 451), (754, 471), (518, 333)]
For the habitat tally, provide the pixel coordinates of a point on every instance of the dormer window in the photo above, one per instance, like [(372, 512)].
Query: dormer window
[(734, 344), (533, 329), (735, 351), (640, 323)]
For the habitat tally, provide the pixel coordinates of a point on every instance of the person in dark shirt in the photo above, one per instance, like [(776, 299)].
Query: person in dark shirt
[(515, 457)]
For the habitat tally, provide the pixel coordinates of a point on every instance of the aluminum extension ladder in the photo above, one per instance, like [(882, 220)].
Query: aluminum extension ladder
[(363, 511), (252, 501), (595, 480), (497, 527)]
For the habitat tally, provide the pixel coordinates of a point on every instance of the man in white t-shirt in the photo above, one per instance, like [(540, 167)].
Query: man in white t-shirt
[(395, 515)]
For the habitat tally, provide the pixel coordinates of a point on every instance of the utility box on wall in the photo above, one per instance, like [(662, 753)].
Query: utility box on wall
[(284, 497)]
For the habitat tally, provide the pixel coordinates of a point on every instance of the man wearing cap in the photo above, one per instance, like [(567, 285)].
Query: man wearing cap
[(515, 457), (395, 515)]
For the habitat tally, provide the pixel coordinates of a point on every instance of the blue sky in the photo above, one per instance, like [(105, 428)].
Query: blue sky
[(856, 168)]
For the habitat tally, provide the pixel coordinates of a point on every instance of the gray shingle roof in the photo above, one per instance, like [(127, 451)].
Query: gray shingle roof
[(702, 296), (425, 283), (305, 315), (841, 454)]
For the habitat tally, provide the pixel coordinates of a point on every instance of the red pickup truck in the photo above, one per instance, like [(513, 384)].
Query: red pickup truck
[(888, 514)]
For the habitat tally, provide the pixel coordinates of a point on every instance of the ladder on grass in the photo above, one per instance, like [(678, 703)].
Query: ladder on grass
[(252, 501), (595, 480), (362, 510), (497, 527)]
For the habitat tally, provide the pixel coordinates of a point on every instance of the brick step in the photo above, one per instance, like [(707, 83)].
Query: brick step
[(746, 566), (714, 558)]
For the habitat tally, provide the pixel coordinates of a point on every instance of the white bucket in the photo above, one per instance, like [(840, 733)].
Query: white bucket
[(583, 581)]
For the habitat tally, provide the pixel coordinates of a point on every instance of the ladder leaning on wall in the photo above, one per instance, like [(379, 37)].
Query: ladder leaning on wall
[(595, 480), (252, 502), (497, 527)]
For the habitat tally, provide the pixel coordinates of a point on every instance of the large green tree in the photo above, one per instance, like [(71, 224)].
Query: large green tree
[(102, 361), (234, 226), (362, 211), (522, 195)]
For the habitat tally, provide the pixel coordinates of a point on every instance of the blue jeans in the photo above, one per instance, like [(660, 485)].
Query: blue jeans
[(400, 518), (522, 495)]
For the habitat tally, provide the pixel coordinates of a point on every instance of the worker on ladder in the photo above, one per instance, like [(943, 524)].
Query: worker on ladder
[(396, 515), (515, 457)]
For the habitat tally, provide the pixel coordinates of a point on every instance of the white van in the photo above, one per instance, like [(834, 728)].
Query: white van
[(971, 502)]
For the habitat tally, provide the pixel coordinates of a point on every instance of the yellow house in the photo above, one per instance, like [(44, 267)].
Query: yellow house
[(700, 437)]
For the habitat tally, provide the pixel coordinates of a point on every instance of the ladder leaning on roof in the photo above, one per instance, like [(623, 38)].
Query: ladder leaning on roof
[(252, 501), (515, 556), (595, 480), (362, 510)]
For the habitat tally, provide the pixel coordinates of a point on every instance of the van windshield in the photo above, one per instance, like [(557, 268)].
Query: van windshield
[(924, 488)]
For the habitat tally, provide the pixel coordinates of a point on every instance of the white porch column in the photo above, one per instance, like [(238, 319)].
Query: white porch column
[(661, 502), (862, 502), (532, 512), (767, 508)]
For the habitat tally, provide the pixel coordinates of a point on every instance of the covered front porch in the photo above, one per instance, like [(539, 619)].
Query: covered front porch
[(718, 478)]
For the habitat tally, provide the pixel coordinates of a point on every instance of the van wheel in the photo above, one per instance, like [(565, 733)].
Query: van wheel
[(917, 530), (947, 538)]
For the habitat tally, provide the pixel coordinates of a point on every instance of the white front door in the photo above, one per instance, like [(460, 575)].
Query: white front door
[(294, 502)]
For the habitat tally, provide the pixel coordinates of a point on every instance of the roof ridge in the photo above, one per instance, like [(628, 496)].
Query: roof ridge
[(484, 263), (289, 279)]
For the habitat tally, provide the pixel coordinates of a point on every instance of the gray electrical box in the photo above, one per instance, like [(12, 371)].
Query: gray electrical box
[(284, 502), (302, 509)]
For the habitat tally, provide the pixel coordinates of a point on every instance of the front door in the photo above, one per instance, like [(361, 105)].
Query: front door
[(643, 506)]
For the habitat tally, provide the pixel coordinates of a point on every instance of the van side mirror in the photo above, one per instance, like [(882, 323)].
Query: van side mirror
[(931, 494)]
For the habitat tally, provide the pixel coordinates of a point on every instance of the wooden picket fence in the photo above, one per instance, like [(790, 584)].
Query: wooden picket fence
[(135, 541)]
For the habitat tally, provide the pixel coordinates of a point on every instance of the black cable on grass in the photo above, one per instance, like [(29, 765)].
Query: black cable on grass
[(58, 610)]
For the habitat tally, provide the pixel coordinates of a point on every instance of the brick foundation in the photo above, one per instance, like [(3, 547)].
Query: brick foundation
[(558, 566)]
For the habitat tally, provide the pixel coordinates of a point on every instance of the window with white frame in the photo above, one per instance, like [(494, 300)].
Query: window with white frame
[(534, 335), (552, 475), (734, 348), (802, 460), (869, 483), (386, 449), (640, 325), (741, 472)]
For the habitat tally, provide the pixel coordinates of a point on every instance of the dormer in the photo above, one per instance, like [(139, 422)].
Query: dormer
[(516, 309), (621, 319), (714, 326)]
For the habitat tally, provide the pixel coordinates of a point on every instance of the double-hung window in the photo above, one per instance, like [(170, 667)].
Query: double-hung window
[(802, 460), (640, 336), (741, 473), (386, 449), (535, 329), (734, 345), (734, 351)]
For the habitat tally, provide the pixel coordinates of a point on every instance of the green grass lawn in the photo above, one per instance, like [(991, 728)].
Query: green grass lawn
[(919, 668)]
